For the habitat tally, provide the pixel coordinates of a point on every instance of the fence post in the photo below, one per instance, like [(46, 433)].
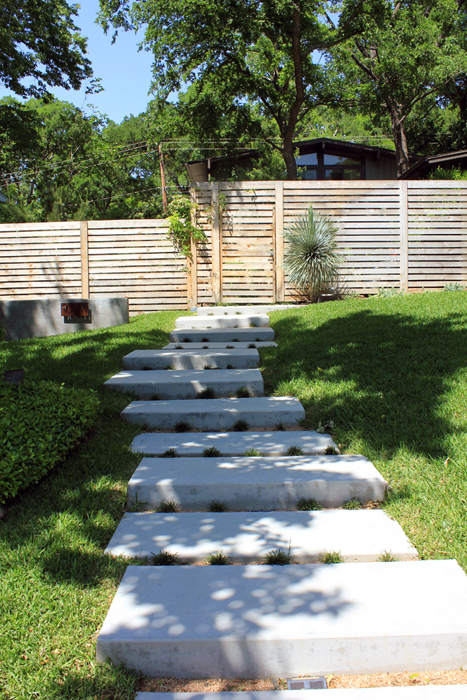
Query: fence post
[(404, 244), (279, 242), (216, 245), (192, 262), (84, 260)]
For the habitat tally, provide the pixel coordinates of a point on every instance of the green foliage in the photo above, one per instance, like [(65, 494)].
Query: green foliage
[(217, 559), (243, 393), (294, 451), (308, 504), (311, 260), (252, 453), (41, 43), (448, 174), (182, 426), (331, 558), (387, 556), (168, 507), (164, 558), (171, 452), (453, 287), (206, 393), (39, 423), (211, 452), (217, 507), (277, 557), (353, 504), (181, 229), (240, 426)]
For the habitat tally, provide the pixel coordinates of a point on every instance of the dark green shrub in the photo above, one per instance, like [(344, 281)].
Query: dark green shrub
[(39, 423)]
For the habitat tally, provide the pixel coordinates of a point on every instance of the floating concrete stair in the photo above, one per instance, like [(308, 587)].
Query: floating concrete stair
[(222, 335), (232, 444), (243, 310), (192, 359), (425, 692), (255, 483), (361, 535), (213, 346), (186, 384), (234, 321), (278, 621), (216, 414)]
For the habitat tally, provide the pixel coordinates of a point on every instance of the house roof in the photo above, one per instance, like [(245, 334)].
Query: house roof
[(196, 167), (429, 163)]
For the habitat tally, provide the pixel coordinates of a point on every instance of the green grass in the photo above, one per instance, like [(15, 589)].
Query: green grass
[(57, 584), (391, 374)]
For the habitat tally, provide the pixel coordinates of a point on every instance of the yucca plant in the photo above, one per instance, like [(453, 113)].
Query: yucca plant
[(311, 260)]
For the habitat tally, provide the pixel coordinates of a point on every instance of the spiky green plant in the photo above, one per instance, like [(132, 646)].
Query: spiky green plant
[(311, 260)]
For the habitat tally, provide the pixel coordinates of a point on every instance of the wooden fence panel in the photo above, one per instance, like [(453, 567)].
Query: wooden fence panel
[(437, 234), (40, 260), (136, 259)]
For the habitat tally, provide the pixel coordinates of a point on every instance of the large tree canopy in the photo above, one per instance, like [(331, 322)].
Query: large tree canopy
[(404, 61), (40, 42), (249, 56)]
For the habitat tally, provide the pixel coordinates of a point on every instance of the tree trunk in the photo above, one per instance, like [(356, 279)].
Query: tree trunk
[(400, 141), (289, 159)]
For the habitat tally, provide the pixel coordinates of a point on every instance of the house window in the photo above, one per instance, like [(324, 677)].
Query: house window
[(324, 166)]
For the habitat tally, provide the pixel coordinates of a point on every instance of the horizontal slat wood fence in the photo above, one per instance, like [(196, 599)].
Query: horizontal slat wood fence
[(406, 234)]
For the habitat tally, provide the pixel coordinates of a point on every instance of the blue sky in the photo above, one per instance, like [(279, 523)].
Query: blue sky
[(125, 72)]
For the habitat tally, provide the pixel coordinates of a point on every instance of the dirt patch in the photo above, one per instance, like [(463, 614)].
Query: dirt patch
[(217, 685)]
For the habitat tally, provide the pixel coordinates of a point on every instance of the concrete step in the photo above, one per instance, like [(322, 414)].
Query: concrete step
[(222, 335), (192, 359), (255, 483), (243, 310), (224, 345), (425, 692), (360, 535), (234, 321), (279, 621), (186, 384), (216, 414), (232, 444)]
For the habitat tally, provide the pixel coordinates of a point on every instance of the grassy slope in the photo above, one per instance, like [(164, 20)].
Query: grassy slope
[(56, 583), (390, 372), (392, 375)]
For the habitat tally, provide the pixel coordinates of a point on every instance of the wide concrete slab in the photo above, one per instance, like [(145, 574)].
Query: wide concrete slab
[(244, 310), (273, 621), (222, 335), (232, 444), (255, 483), (216, 414), (186, 384), (213, 346), (426, 692), (360, 535), (192, 359), (234, 321)]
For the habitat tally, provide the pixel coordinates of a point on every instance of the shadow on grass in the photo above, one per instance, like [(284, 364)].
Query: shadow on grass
[(83, 359), (380, 377)]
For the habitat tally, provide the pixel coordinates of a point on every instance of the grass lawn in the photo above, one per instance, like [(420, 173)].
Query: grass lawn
[(390, 373)]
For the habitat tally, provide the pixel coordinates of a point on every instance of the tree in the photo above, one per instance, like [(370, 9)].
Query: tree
[(252, 58), (39, 40), (402, 62)]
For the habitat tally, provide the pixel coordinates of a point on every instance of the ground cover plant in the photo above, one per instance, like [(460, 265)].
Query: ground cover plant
[(57, 584), (391, 374)]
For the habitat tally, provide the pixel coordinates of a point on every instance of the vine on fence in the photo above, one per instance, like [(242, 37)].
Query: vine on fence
[(181, 229)]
